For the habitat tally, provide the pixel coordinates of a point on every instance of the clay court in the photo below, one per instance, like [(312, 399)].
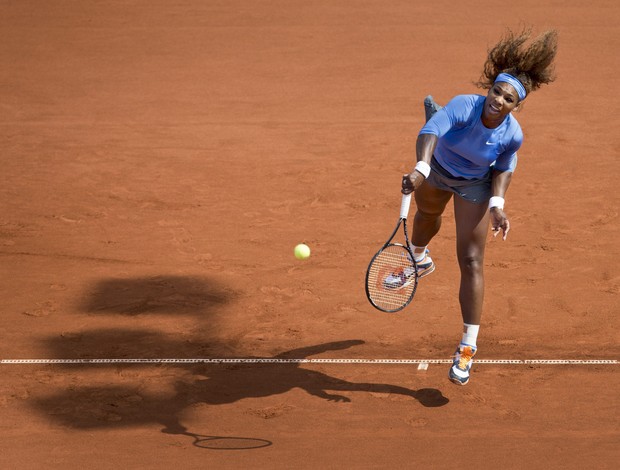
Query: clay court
[(159, 162)]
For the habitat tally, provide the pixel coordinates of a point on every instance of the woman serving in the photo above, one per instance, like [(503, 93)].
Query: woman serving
[(468, 149)]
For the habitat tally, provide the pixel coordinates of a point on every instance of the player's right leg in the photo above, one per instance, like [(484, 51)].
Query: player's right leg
[(430, 203)]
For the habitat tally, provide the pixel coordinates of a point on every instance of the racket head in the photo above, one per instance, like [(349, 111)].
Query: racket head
[(391, 278)]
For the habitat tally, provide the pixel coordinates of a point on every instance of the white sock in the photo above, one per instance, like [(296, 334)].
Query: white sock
[(470, 334), (419, 253)]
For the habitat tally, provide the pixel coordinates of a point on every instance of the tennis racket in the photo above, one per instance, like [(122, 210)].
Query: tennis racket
[(392, 276)]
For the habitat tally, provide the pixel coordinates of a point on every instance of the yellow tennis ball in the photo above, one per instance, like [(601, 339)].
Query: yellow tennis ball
[(302, 251)]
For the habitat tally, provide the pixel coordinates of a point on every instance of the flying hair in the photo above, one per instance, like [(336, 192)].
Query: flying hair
[(531, 63)]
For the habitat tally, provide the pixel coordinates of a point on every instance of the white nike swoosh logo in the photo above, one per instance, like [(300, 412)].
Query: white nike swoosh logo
[(491, 143)]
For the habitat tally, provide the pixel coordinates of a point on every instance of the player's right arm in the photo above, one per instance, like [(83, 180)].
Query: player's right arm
[(457, 113), (425, 146)]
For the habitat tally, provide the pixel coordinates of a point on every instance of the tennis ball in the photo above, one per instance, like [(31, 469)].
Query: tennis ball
[(302, 251)]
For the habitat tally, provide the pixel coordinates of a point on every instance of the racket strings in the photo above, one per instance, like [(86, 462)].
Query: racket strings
[(392, 278)]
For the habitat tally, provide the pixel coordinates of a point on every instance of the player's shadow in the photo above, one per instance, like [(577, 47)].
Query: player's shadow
[(139, 394), (255, 380), (154, 295), (120, 404)]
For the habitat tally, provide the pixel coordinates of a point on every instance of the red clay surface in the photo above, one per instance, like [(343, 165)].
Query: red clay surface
[(159, 162)]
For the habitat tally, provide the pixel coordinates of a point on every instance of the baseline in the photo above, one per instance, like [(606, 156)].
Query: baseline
[(308, 361)]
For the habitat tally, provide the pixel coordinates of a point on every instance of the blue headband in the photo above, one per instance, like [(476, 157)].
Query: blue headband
[(507, 78)]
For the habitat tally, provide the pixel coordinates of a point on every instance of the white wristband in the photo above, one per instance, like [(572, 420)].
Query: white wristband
[(496, 201), (423, 168)]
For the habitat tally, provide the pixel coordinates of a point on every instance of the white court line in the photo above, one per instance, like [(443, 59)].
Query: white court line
[(309, 361)]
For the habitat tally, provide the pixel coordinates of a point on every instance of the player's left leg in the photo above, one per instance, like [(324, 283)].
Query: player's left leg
[(472, 224), (430, 107)]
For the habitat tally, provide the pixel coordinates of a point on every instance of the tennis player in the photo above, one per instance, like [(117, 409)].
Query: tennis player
[(468, 149)]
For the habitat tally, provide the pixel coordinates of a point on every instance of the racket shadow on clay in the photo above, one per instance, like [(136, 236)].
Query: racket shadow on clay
[(219, 442)]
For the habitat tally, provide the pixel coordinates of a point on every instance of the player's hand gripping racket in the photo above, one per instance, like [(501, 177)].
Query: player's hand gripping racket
[(392, 276)]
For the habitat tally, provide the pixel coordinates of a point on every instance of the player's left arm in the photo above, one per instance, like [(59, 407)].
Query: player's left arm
[(503, 169), (499, 185)]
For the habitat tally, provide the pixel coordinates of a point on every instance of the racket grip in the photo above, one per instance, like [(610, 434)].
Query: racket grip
[(404, 206)]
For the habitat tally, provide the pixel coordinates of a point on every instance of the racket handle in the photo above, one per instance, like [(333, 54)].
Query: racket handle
[(404, 206)]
